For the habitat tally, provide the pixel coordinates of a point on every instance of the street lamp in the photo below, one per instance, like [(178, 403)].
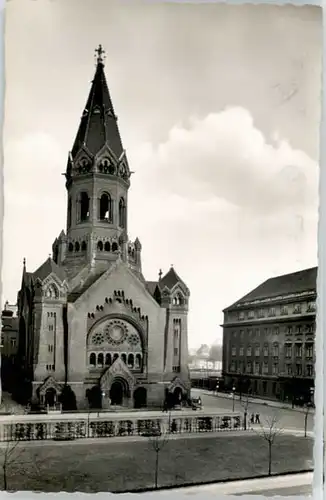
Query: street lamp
[(217, 387), (312, 391), (233, 390)]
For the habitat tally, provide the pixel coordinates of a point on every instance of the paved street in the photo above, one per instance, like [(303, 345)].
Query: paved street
[(287, 418)]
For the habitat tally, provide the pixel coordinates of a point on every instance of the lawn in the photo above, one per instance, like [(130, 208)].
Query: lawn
[(123, 466)]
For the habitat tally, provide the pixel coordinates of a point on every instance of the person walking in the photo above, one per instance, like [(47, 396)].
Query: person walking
[(252, 419), (257, 421)]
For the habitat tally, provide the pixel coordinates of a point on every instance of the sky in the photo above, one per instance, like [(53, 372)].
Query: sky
[(218, 108)]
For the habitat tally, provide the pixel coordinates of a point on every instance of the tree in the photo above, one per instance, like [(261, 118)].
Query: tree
[(158, 438), (68, 399), (245, 405), (215, 352), (306, 414), (11, 454), (269, 432)]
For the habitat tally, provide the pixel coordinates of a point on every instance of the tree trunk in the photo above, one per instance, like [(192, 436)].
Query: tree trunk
[(156, 469), (5, 485), (269, 458)]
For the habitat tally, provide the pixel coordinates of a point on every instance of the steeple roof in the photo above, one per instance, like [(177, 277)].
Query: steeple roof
[(98, 124)]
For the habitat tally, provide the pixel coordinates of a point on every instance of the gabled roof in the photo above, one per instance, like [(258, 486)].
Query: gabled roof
[(170, 280), (98, 124), (48, 267), (151, 286), (298, 282)]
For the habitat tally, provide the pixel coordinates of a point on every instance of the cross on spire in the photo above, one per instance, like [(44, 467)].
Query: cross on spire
[(100, 54)]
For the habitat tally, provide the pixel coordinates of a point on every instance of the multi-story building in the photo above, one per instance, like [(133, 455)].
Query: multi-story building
[(268, 338), (9, 344), (90, 325)]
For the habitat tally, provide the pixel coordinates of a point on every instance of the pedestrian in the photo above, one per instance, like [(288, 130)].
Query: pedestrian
[(252, 419), (257, 418)]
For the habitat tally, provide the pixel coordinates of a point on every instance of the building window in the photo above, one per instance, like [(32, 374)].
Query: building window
[(310, 328), (290, 330), (298, 329), (249, 367), (138, 361), (272, 312), (249, 350), (265, 350), (241, 334), (176, 351), (241, 367), (234, 351), (275, 350), (309, 350), (251, 314), (83, 207), (2, 339), (276, 330), (176, 369), (92, 359), (297, 309), (284, 311), (233, 366), (130, 361), (51, 327), (257, 332), (105, 208), (275, 368), (289, 370), (241, 351), (241, 315), (108, 359), (100, 359), (310, 370), (265, 368), (250, 333), (311, 307), (260, 313), (257, 350), (50, 348), (298, 369), (13, 342), (288, 350), (298, 350), (257, 368), (122, 213)]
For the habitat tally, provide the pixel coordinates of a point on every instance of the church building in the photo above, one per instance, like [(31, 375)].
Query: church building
[(89, 323)]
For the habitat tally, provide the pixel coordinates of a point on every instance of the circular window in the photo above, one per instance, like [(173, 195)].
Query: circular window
[(98, 338), (133, 339), (116, 333)]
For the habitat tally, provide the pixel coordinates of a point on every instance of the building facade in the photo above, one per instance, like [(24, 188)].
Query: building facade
[(90, 325), (269, 337), (9, 345)]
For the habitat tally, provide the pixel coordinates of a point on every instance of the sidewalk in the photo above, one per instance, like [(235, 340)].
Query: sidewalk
[(258, 401)]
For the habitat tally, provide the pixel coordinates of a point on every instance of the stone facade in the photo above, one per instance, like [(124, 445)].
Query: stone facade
[(268, 339), (88, 319)]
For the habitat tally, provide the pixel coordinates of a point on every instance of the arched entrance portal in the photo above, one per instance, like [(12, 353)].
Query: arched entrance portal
[(177, 396), (50, 397), (119, 392), (140, 397)]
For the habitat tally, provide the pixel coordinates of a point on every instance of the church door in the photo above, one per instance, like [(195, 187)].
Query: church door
[(50, 397), (140, 397), (116, 393)]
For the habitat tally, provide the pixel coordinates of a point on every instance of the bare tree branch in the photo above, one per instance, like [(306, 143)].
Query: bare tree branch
[(269, 429)]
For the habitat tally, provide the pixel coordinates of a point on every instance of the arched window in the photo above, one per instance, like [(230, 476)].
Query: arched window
[(107, 246), (92, 359), (122, 213), (84, 207), (83, 246), (77, 246), (124, 358), (178, 300), (138, 361), (100, 359), (69, 213), (115, 356), (105, 211), (108, 359), (100, 246), (51, 292), (130, 361), (70, 247), (114, 247)]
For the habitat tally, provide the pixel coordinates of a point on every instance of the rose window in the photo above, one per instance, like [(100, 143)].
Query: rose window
[(133, 339), (98, 338), (116, 333)]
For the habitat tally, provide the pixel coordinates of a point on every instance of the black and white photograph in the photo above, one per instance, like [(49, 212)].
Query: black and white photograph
[(159, 277)]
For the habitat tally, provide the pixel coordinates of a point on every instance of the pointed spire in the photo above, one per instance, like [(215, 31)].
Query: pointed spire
[(24, 264), (160, 275), (98, 125)]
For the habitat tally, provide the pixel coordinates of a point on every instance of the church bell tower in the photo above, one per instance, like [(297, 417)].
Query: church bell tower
[(97, 182)]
